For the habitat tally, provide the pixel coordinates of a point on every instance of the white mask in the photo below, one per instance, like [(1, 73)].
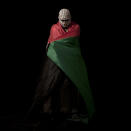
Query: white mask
[(64, 18)]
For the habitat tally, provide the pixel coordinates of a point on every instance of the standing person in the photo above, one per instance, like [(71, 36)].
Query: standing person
[(63, 87)]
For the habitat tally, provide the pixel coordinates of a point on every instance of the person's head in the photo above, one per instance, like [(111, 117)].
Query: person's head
[(64, 18)]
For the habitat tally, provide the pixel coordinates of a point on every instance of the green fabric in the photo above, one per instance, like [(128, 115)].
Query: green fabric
[(66, 54)]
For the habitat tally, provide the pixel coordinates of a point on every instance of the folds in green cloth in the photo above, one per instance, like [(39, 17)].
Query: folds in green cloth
[(66, 54)]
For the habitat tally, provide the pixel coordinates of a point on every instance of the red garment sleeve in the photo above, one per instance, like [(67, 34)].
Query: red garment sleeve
[(51, 34)]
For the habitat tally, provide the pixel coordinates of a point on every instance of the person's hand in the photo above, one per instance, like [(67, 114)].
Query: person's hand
[(47, 47)]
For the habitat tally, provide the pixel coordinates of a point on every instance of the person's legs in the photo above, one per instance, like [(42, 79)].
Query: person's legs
[(65, 96)]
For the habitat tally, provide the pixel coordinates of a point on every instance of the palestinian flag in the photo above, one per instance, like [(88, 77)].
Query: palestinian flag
[(64, 51)]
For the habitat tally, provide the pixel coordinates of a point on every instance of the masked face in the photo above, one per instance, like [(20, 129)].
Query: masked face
[(64, 18), (65, 22)]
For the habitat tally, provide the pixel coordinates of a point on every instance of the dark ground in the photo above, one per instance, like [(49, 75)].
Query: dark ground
[(17, 123)]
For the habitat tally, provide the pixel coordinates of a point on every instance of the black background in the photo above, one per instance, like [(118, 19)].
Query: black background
[(24, 33)]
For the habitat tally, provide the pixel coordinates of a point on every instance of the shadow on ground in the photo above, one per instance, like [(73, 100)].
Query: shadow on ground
[(17, 123)]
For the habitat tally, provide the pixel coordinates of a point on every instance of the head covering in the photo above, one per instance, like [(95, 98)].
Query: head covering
[(64, 14)]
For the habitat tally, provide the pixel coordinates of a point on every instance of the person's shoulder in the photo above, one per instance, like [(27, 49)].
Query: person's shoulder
[(75, 24), (54, 26)]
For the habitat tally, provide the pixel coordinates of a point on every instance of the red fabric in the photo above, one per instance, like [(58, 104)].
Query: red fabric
[(57, 32)]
